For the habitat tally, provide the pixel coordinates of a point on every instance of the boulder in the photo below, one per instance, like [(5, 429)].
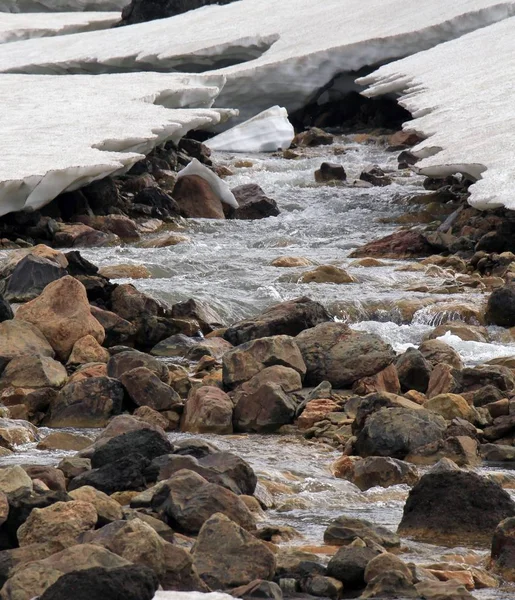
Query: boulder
[(33, 371), (152, 417), (53, 478), (14, 480), (437, 352), (451, 406), (15, 432), (131, 582), (145, 442), (62, 313), (108, 510), (130, 304), (146, 389), (287, 318), (461, 449), (348, 565), (326, 274), (253, 203), (330, 172), (502, 558), (401, 244), (376, 176), (497, 453), (260, 589), (228, 465), (343, 531), (314, 136), (30, 277), (500, 309), (175, 345), (187, 500), (391, 584), (376, 471), (226, 556), (315, 411), (396, 432), (455, 508), (117, 330), (247, 360), (6, 312), (122, 362), (86, 403), (73, 466), (62, 522), (127, 473), (384, 563), (18, 338), (62, 440), (206, 316), (413, 371), (196, 199), (263, 410), (88, 350), (34, 578), (207, 410), (34, 401), (333, 352)]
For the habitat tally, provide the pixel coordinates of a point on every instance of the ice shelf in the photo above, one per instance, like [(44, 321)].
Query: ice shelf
[(461, 95), (15, 27), (58, 133), (281, 55), (24, 6)]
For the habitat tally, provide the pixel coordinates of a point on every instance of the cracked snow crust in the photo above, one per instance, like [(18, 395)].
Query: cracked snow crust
[(89, 127), (290, 52), (462, 97), (15, 27)]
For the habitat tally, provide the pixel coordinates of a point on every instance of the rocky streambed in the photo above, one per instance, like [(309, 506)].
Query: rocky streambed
[(258, 404)]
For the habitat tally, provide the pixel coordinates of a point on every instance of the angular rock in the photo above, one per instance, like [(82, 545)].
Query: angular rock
[(196, 199), (130, 304), (73, 466), (326, 274), (15, 432), (62, 440), (88, 350), (502, 558), (401, 244), (413, 371), (330, 172), (62, 313), (225, 555), (314, 136), (380, 471), (450, 406), (253, 203), (117, 330), (461, 449), (333, 352), (343, 531), (146, 389), (437, 352), (315, 411), (391, 584), (49, 475), (455, 507), (29, 278), (6, 312), (33, 371), (14, 480), (123, 362), (263, 410), (207, 410), (247, 360), (287, 318), (86, 403), (200, 311), (348, 565), (108, 510), (18, 338)]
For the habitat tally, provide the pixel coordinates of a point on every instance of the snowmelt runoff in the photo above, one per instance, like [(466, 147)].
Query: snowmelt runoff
[(462, 97), (85, 127)]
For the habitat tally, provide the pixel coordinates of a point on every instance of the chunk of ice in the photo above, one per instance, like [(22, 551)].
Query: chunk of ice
[(219, 187)]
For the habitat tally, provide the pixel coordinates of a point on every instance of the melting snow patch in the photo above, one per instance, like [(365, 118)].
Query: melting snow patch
[(268, 131), (461, 95), (59, 133), (292, 51), (219, 187), (15, 27)]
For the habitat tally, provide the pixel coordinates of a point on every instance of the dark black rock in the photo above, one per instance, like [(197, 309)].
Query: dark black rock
[(133, 582), (139, 11), (6, 312), (253, 203), (145, 442), (348, 565), (156, 198), (78, 265), (30, 277), (413, 370), (500, 309)]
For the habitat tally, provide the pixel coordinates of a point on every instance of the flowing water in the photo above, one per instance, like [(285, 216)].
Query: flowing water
[(227, 263)]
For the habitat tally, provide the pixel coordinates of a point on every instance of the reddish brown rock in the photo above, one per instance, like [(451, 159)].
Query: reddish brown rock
[(196, 199), (207, 410), (402, 244)]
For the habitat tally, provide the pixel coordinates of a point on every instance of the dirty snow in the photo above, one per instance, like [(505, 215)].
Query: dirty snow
[(461, 95), (14, 27), (58, 133), (281, 56)]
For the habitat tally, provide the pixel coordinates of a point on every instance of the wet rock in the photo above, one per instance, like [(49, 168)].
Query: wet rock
[(245, 361), (125, 271), (127, 473), (497, 452), (362, 408), (207, 410), (225, 555), (86, 403), (413, 371), (287, 318), (146, 389), (15, 432), (376, 176), (330, 172), (455, 507), (343, 531), (161, 204), (30, 277), (130, 304), (313, 137), (131, 582), (200, 311), (196, 199), (33, 372), (502, 559), (18, 338), (253, 203), (37, 576), (385, 563), (259, 589), (15, 480), (175, 345), (468, 333), (377, 471), (124, 362), (437, 352), (144, 442), (443, 590), (500, 309), (396, 432), (348, 565), (263, 410), (151, 416), (325, 587), (461, 449), (62, 313), (214, 347), (228, 465), (391, 584), (333, 352), (108, 510), (291, 261), (327, 274), (62, 522), (187, 500), (402, 244)]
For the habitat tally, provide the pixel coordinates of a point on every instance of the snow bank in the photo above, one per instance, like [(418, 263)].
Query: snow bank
[(14, 27), (268, 131), (59, 133), (23, 6), (461, 95), (282, 55)]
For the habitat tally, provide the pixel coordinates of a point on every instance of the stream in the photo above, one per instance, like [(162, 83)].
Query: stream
[(227, 264)]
